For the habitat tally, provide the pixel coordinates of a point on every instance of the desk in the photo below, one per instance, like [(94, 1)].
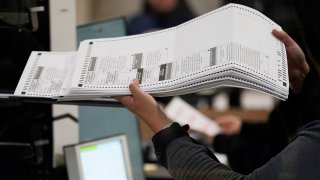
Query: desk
[(156, 172), (247, 115)]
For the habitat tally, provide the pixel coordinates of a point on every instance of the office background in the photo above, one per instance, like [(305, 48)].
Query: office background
[(71, 13)]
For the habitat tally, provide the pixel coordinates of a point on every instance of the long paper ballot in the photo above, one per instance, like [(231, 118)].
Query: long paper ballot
[(230, 46)]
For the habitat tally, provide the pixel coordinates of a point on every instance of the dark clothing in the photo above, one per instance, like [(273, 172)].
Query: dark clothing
[(257, 143), (287, 146), (149, 20), (186, 159), (257, 146), (245, 153)]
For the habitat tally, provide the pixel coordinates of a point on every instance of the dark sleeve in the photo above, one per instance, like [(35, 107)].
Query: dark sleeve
[(186, 159), (299, 160)]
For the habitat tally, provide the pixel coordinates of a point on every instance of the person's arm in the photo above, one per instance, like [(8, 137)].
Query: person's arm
[(144, 106), (298, 67), (187, 160)]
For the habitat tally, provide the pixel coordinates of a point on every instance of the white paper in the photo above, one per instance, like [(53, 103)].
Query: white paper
[(183, 113), (45, 74), (228, 47)]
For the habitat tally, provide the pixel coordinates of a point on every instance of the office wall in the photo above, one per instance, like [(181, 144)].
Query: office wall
[(63, 38), (94, 10), (84, 11), (108, 8)]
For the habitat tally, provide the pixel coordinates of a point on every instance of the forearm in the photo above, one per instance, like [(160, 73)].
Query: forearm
[(157, 121), (195, 162), (185, 159)]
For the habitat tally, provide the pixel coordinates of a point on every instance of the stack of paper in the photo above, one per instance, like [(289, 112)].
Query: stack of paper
[(231, 46)]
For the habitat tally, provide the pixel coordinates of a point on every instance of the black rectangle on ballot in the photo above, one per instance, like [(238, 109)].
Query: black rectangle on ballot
[(137, 61), (165, 71), (140, 74), (213, 54)]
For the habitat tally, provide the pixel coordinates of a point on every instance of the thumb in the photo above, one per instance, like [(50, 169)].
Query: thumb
[(283, 37), (135, 89)]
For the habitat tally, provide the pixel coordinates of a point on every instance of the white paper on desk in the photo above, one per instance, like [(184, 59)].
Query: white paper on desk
[(180, 111)]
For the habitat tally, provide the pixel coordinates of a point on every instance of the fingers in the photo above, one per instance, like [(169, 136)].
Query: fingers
[(128, 100), (283, 37), (135, 81), (137, 94), (120, 98), (135, 89), (125, 100)]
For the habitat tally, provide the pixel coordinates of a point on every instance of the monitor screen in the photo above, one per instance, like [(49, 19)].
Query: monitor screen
[(102, 29), (106, 158)]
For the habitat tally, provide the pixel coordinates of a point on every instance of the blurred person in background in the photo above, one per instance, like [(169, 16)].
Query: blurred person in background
[(160, 14)]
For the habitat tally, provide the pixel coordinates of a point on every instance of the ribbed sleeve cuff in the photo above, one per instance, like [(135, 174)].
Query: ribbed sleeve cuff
[(164, 137)]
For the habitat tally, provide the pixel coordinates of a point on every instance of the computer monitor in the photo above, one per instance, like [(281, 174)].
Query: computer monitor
[(115, 27), (106, 158), (96, 122)]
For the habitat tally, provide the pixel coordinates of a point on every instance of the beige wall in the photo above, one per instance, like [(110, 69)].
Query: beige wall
[(83, 11), (111, 8), (94, 10)]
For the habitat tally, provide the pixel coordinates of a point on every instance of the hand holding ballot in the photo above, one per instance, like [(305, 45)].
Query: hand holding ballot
[(154, 116), (297, 64)]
